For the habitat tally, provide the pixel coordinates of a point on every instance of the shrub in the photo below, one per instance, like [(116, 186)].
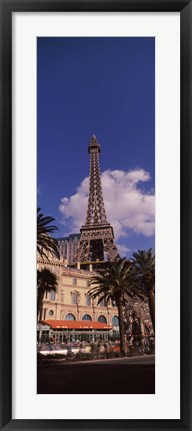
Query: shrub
[(53, 356), (110, 355), (83, 356), (79, 356), (86, 356), (117, 354), (70, 356)]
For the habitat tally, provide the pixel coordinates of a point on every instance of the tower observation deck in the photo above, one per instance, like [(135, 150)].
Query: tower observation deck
[(97, 237)]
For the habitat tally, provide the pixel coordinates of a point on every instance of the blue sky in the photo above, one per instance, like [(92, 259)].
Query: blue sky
[(102, 86)]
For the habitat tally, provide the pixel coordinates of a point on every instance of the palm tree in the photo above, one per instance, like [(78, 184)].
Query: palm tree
[(113, 283), (45, 243), (144, 267), (46, 282), (135, 310)]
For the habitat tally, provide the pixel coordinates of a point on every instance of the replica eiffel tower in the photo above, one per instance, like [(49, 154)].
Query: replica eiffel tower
[(97, 238)]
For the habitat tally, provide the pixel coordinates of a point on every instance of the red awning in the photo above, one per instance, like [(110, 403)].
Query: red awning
[(77, 324)]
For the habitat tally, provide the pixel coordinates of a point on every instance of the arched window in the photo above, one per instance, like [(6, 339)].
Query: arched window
[(70, 316), (86, 317), (102, 319), (52, 295), (88, 299), (103, 303), (75, 297), (115, 321)]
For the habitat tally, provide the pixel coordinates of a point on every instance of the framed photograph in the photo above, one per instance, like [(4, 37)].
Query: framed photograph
[(113, 78)]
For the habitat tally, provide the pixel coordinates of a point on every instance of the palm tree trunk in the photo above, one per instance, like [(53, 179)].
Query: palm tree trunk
[(40, 304), (142, 336), (121, 329), (152, 308)]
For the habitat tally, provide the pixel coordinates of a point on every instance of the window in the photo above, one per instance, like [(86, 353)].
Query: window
[(88, 299), (51, 313), (103, 303), (74, 281), (70, 316), (115, 321), (86, 317), (102, 319), (74, 298), (52, 295)]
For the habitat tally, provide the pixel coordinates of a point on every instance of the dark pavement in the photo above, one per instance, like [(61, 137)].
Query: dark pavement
[(113, 376)]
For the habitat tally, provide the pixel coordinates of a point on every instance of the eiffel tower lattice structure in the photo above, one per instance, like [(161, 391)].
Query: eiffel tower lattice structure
[(97, 238)]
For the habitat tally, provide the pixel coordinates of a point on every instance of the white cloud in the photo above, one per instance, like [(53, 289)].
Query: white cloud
[(127, 206), (122, 249)]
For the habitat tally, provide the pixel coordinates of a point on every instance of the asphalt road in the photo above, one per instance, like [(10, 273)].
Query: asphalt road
[(112, 376)]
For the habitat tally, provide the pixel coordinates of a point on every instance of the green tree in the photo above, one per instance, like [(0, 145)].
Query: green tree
[(46, 282), (144, 269), (45, 243), (113, 282)]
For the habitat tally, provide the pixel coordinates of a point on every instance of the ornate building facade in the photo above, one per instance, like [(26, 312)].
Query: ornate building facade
[(72, 302)]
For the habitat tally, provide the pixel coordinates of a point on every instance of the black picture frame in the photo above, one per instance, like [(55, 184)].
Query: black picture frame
[(6, 9)]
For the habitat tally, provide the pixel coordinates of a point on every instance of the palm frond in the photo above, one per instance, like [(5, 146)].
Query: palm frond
[(45, 242)]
